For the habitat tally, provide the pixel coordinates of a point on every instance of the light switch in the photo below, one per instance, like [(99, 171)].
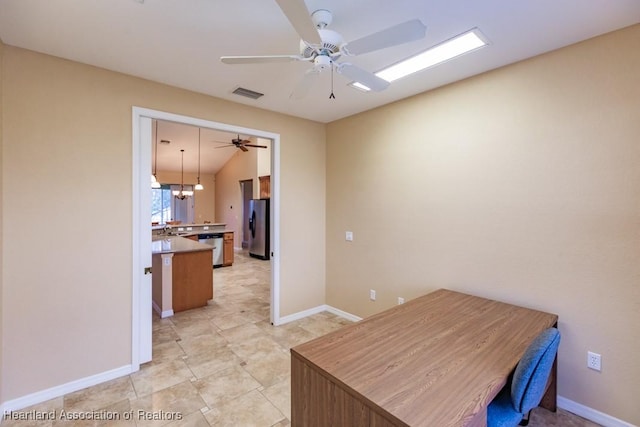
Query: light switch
[(349, 236)]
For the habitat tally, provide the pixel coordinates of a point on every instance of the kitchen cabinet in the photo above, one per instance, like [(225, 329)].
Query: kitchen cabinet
[(265, 186), (227, 253)]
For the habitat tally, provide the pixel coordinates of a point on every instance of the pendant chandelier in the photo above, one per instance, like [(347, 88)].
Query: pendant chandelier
[(154, 179), (182, 193), (198, 185)]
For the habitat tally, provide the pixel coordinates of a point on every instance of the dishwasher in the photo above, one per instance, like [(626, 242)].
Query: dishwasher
[(216, 240)]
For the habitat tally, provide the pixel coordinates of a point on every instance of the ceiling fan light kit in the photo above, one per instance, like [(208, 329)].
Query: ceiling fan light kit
[(182, 193), (324, 47), (198, 185)]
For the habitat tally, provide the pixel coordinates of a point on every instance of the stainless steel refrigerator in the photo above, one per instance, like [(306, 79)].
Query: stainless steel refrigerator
[(259, 228)]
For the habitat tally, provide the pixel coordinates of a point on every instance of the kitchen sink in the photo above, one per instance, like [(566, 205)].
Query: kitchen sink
[(178, 233)]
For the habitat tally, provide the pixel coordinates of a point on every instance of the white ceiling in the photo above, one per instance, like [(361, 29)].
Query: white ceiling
[(179, 42)]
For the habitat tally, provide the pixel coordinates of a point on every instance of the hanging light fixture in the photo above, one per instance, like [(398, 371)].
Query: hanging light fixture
[(198, 185), (154, 179), (182, 193)]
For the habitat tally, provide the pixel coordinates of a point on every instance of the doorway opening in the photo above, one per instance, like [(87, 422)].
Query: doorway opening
[(141, 328), (246, 188)]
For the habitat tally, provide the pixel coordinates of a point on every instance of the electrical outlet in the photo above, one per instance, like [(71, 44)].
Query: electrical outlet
[(348, 236), (372, 295), (594, 361), (400, 300)]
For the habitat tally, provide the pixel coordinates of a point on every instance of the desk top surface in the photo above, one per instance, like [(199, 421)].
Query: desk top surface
[(437, 360)]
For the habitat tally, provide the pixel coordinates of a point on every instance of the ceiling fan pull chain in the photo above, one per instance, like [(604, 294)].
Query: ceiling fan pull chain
[(332, 96)]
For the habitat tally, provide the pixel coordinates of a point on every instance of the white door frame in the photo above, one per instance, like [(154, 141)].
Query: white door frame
[(141, 238)]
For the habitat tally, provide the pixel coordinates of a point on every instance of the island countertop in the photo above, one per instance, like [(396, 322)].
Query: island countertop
[(174, 244), (185, 226)]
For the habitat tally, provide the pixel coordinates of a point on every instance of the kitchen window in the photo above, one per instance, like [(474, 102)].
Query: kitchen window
[(161, 204)]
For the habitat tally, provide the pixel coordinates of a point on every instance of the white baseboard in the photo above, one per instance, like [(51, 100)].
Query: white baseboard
[(591, 414), (162, 314), (343, 314), (61, 390), (319, 309), (301, 314)]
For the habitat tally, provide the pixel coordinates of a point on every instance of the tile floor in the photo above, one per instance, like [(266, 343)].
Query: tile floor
[(221, 365)]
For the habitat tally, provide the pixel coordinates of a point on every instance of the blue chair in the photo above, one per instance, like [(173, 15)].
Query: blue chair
[(527, 387)]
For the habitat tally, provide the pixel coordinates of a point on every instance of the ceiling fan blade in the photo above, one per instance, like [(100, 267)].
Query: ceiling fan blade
[(259, 59), (254, 145), (225, 146), (302, 88), (392, 36), (364, 77), (298, 15), (243, 148)]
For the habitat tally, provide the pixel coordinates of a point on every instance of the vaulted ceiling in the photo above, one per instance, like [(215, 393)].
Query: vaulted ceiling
[(210, 149)]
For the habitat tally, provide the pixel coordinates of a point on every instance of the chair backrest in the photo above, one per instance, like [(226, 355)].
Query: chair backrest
[(531, 374)]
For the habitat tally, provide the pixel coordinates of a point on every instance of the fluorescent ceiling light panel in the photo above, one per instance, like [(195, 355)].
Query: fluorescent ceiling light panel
[(438, 54)]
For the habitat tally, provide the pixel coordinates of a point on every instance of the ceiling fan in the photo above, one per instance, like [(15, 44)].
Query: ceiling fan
[(323, 47), (240, 143)]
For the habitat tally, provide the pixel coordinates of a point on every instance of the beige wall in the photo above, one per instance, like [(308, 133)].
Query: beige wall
[(67, 172), (2, 345), (520, 185), (307, 172), (242, 166), (264, 159), (204, 201)]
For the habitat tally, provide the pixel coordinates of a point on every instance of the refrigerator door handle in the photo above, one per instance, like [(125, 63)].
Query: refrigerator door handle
[(252, 224)]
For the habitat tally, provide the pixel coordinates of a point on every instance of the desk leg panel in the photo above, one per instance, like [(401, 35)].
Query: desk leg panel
[(318, 402), (549, 400), (378, 420)]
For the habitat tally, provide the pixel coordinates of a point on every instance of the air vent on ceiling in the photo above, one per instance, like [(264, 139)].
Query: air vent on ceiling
[(248, 93)]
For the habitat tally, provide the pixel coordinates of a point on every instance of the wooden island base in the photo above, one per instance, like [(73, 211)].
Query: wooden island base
[(192, 281), (182, 275)]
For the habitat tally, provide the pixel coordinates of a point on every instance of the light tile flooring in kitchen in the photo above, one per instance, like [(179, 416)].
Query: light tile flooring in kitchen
[(220, 365)]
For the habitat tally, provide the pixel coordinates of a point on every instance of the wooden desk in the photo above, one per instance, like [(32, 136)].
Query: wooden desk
[(435, 361)]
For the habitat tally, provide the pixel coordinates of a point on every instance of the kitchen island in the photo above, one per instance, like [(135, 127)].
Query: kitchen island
[(182, 274), (223, 257)]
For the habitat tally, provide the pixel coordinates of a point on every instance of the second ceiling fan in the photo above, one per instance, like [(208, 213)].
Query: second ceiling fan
[(323, 47), (242, 144)]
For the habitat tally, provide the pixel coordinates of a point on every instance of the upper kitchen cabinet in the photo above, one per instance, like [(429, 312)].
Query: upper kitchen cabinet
[(265, 187)]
